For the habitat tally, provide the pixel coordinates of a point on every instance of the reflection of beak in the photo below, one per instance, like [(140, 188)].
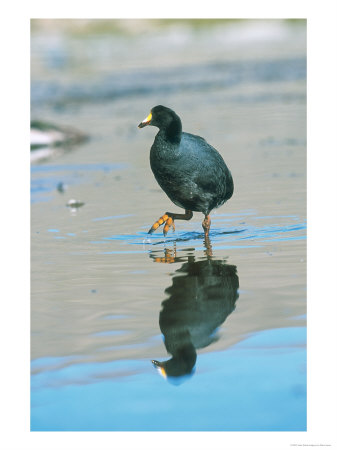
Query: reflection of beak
[(145, 121), (159, 367)]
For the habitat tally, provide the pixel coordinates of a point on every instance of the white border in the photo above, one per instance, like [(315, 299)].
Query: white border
[(322, 149)]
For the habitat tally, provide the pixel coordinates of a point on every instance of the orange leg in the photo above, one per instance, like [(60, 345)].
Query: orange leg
[(206, 225), (168, 218), (208, 247)]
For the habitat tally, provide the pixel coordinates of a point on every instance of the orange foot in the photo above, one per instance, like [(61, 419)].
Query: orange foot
[(169, 258), (163, 219)]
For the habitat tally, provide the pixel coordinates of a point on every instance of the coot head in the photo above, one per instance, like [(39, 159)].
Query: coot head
[(161, 117)]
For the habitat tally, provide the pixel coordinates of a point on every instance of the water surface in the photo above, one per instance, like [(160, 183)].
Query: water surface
[(224, 319)]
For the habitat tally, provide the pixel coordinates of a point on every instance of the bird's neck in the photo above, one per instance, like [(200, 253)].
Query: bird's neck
[(172, 131)]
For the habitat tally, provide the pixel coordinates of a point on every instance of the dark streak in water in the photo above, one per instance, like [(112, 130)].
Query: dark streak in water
[(195, 77)]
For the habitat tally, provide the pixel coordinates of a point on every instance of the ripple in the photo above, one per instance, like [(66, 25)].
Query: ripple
[(230, 235)]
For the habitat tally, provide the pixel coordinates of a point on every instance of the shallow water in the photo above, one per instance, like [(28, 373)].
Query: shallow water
[(107, 298)]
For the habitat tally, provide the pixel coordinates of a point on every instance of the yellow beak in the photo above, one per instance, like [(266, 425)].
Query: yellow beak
[(145, 121)]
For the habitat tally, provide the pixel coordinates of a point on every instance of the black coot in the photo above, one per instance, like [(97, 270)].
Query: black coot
[(190, 171)]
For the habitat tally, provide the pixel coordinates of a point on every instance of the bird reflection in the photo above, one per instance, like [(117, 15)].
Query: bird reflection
[(203, 293)]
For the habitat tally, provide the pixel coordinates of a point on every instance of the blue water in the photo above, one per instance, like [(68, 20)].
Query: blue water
[(45, 178), (138, 332), (248, 237), (197, 77), (257, 385)]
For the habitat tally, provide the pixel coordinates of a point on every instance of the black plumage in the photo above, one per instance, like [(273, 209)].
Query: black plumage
[(190, 171), (203, 294)]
